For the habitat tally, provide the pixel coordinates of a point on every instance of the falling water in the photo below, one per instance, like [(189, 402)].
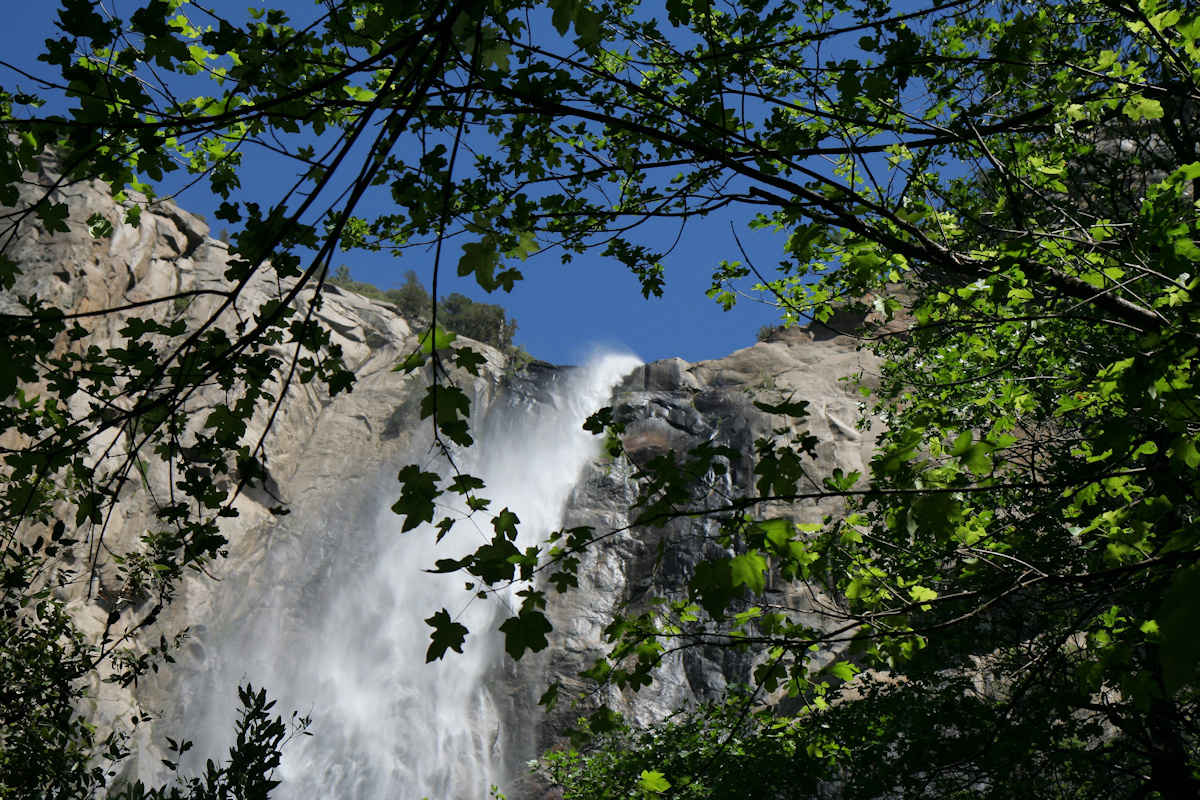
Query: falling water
[(385, 723)]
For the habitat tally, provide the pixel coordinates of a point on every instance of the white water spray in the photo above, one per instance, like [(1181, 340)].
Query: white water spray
[(385, 723)]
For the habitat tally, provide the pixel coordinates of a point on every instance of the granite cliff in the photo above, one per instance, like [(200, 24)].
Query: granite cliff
[(330, 462)]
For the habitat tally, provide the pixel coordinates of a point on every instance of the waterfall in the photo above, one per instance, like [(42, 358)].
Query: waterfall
[(385, 724)]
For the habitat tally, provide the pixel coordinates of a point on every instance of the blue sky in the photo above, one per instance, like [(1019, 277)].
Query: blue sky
[(563, 311)]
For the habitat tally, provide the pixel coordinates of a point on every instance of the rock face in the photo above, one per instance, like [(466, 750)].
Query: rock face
[(328, 458), (324, 455), (672, 405)]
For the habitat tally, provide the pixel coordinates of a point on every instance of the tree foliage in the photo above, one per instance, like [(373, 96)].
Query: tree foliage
[(1019, 569), (484, 322), (411, 297)]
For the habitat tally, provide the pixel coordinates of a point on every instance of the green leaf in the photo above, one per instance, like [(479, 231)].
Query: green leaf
[(843, 670), (1178, 621), (54, 217), (564, 13), (1189, 28), (938, 513), (8, 275), (99, 227), (712, 585), (450, 409), (447, 635), (864, 264), (973, 455), (922, 594), (778, 534), (679, 12), (653, 782), (359, 93), (749, 570), (526, 631), (418, 490), (505, 524), (465, 484), (549, 698), (412, 362), (436, 339), (495, 562), (588, 30), (1186, 249), (469, 360), (495, 56), (1183, 454), (480, 259), (839, 481), (1139, 107)]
